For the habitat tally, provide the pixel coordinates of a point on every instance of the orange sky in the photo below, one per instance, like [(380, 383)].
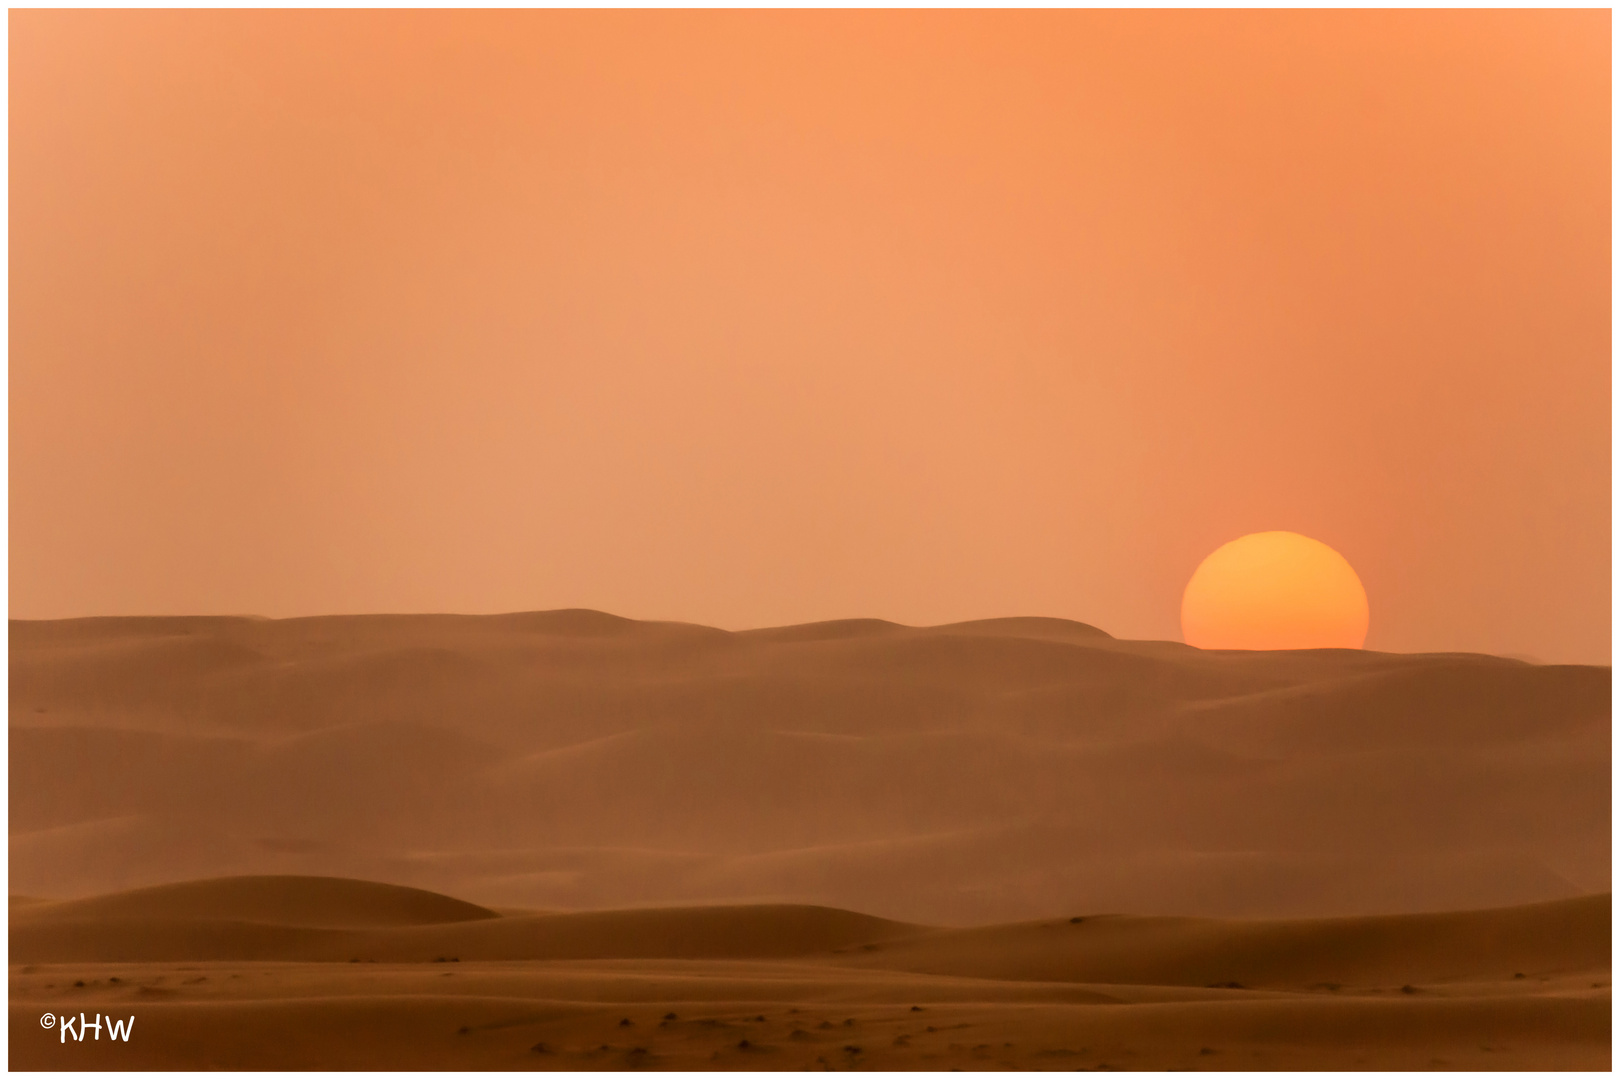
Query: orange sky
[(763, 317)]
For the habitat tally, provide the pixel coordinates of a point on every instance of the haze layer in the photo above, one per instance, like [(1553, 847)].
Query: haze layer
[(972, 773)]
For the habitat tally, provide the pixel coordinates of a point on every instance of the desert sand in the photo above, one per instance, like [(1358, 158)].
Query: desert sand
[(213, 980), (1314, 859)]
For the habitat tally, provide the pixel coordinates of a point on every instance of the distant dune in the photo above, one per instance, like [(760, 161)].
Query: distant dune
[(984, 772)]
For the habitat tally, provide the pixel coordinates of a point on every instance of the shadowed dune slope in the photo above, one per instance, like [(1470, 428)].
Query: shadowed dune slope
[(982, 772)]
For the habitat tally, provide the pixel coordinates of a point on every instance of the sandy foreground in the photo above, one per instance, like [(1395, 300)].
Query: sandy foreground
[(360, 975)]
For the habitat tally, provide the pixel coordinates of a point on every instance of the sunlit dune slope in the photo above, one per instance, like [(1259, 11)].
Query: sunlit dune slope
[(982, 772)]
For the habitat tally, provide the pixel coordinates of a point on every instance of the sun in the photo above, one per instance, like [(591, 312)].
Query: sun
[(1274, 590)]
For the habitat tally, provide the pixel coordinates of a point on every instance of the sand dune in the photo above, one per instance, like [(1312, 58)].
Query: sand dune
[(753, 987), (979, 772)]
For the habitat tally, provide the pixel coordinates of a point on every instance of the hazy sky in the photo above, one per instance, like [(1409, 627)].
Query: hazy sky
[(752, 318)]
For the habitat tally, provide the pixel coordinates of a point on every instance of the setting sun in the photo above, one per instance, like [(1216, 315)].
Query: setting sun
[(1274, 590)]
